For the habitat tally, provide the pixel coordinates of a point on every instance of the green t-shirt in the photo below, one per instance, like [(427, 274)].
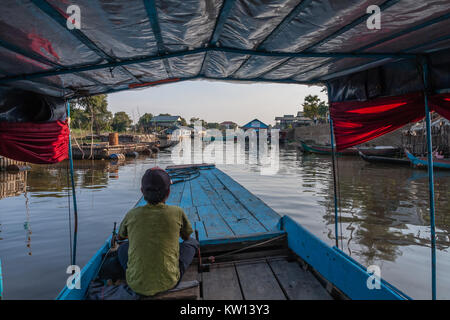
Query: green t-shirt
[(153, 232)]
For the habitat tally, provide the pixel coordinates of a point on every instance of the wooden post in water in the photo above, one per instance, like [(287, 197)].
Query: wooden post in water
[(333, 154)]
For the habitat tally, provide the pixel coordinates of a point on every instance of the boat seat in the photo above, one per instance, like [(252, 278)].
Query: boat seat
[(185, 290)]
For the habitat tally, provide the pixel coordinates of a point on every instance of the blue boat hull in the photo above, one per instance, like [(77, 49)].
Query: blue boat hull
[(423, 163), (345, 274), (1, 281)]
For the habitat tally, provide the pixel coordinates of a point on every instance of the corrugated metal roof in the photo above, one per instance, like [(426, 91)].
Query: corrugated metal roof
[(165, 119)]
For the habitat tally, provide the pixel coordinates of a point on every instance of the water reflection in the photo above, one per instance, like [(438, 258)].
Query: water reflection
[(384, 216), (12, 183), (52, 181), (381, 208)]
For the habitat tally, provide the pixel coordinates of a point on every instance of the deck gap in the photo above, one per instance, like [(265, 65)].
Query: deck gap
[(214, 205), (243, 205), (239, 281), (278, 281)]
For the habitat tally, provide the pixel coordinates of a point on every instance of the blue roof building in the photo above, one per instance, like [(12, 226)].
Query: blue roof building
[(255, 124)]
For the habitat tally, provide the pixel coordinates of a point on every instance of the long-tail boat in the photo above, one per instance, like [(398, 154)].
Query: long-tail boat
[(378, 159), (257, 253), (421, 162), (379, 151)]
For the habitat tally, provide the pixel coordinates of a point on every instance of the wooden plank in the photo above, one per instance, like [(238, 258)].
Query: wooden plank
[(185, 294), (234, 243), (238, 218), (176, 191), (186, 198), (221, 283), (192, 165), (298, 283), (261, 211), (191, 273), (200, 227), (199, 197), (258, 282), (251, 255), (214, 224), (192, 215)]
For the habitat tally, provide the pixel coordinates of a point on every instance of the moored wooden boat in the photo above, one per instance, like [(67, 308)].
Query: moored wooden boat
[(258, 254), (311, 148), (378, 159), (422, 162), (386, 151)]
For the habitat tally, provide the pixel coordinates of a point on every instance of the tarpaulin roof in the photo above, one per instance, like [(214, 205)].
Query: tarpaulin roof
[(136, 43)]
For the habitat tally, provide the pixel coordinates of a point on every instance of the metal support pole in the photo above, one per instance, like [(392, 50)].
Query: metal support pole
[(430, 181), (74, 196), (336, 218)]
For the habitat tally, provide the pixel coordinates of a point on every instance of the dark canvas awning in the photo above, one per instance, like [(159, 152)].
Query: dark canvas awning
[(136, 43)]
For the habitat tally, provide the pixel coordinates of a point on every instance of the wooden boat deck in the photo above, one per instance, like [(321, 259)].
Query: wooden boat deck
[(271, 278), (229, 218), (241, 240), (221, 209)]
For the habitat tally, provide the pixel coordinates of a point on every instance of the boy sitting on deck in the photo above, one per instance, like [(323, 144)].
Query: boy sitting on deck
[(153, 258)]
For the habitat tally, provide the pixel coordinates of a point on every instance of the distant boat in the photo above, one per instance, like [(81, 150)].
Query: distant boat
[(326, 149), (423, 162), (379, 159), (353, 151)]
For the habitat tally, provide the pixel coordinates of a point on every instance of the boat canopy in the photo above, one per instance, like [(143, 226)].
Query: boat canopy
[(134, 43), (60, 50)]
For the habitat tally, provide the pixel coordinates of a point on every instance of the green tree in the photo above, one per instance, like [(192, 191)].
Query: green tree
[(144, 122), (314, 107), (79, 118), (121, 121), (203, 122), (96, 109), (183, 122), (193, 119), (212, 125)]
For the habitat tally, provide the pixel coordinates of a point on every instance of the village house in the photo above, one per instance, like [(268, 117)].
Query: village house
[(255, 124), (228, 125), (165, 121), (291, 121)]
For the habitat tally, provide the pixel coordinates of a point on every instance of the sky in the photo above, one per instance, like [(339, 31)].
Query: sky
[(215, 101)]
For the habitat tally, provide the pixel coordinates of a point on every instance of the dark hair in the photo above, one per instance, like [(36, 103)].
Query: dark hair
[(155, 196)]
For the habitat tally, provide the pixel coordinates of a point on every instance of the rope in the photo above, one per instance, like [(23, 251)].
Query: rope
[(70, 214), (74, 197), (250, 246), (333, 160), (339, 201), (185, 174)]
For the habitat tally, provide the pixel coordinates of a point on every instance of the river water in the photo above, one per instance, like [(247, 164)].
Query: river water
[(384, 218)]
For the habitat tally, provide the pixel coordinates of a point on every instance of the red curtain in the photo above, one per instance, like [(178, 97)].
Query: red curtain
[(35, 142), (356, 122), (441, 104)]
